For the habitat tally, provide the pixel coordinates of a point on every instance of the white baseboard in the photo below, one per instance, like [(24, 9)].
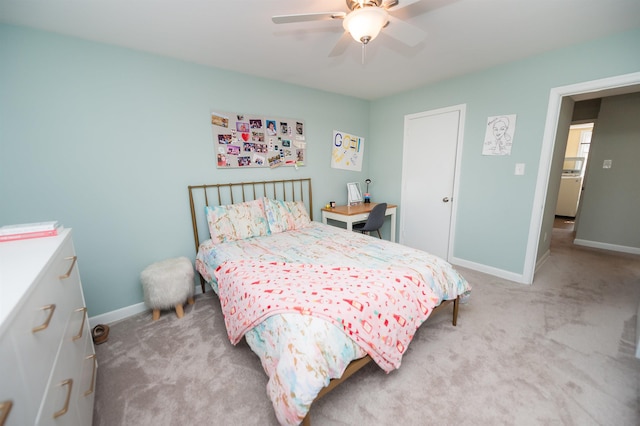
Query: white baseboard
[(542, 260), (127, 311), (638, 333), (501, 273), (606, 246), (118, 314)]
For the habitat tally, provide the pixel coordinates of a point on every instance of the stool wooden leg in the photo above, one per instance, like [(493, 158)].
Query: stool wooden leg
[(179, 311), (156, 314), (190, 300)]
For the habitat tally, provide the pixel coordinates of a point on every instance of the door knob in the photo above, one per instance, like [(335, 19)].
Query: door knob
[(445, 200)]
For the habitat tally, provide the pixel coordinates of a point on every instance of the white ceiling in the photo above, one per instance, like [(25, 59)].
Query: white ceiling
[(462, 35)]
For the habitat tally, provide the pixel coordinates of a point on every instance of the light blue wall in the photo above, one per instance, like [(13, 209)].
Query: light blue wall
[(494, 205), (106, 140)]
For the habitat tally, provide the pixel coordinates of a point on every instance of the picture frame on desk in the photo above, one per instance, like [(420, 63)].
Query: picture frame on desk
[(354, 194)]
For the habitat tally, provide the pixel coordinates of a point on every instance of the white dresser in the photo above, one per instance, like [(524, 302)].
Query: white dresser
[(47, 360)]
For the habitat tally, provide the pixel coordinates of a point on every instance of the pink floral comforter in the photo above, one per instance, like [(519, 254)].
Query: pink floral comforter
[(379, 309), (301, 353)]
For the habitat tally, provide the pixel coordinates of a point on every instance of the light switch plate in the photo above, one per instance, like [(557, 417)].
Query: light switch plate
[(606, 164), (519, 169)]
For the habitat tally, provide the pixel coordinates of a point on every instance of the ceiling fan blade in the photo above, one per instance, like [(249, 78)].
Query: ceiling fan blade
[(304, 17), (404, 32), (341, 45)]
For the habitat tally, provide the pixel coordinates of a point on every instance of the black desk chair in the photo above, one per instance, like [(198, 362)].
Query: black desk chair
[(374, 221)]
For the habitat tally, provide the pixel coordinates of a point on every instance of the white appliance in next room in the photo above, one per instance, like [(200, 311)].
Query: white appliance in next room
[(569, 195)]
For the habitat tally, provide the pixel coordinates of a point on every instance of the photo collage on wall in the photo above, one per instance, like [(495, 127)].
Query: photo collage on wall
[(243, 140)]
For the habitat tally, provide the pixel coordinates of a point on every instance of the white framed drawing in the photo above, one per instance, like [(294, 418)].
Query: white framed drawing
[(498, 137), (354, 194)]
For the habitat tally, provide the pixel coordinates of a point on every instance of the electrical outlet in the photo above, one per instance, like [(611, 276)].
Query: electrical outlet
[(606, 164)]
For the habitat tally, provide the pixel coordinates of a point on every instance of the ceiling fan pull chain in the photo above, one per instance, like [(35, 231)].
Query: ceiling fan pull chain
[(364, 46)]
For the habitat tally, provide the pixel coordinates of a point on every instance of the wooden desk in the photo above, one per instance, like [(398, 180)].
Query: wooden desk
[(358, 213)]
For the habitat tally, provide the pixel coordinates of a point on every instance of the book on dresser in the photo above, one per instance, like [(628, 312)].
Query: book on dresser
[(26, 231)]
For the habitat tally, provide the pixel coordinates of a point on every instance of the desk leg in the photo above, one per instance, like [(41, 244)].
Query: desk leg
[(349, 223), (393, 227)]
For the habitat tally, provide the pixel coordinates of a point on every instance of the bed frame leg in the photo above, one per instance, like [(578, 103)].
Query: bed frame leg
[(307, 420), (456, 303)]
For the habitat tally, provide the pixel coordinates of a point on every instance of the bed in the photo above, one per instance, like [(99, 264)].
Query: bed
[(315, 302)]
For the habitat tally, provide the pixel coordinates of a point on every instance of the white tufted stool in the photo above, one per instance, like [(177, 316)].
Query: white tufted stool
[(168, 284)]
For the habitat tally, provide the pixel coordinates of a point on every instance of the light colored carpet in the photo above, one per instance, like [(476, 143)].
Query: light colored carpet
[(559, 352)]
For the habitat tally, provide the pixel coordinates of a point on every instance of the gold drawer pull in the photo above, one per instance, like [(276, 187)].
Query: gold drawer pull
[(68, 274), (5, 409), (79, 335), (63, 411), (93, 376), (51, 308)]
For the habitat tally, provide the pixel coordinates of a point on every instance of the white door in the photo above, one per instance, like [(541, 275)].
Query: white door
[(430, 155)]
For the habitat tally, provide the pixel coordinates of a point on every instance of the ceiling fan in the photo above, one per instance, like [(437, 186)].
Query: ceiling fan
[(364, 22)]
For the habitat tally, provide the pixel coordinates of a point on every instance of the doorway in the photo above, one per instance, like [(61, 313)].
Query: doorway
[(432, 150), (574, 168), (543, 215)]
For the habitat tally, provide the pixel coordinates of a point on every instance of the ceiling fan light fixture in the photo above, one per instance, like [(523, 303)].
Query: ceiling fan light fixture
[(365, 24)]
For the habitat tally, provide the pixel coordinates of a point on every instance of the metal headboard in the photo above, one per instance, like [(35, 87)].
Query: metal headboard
[(229, 193)]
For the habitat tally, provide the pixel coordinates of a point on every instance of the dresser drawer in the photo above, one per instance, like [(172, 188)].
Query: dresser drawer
[(66, 388), (39, 324), (15, 405), (87, 388)]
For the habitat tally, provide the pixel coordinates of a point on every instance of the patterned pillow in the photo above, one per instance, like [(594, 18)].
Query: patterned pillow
[(285, 215), (279, 216), (236, 221), (299, 212)]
